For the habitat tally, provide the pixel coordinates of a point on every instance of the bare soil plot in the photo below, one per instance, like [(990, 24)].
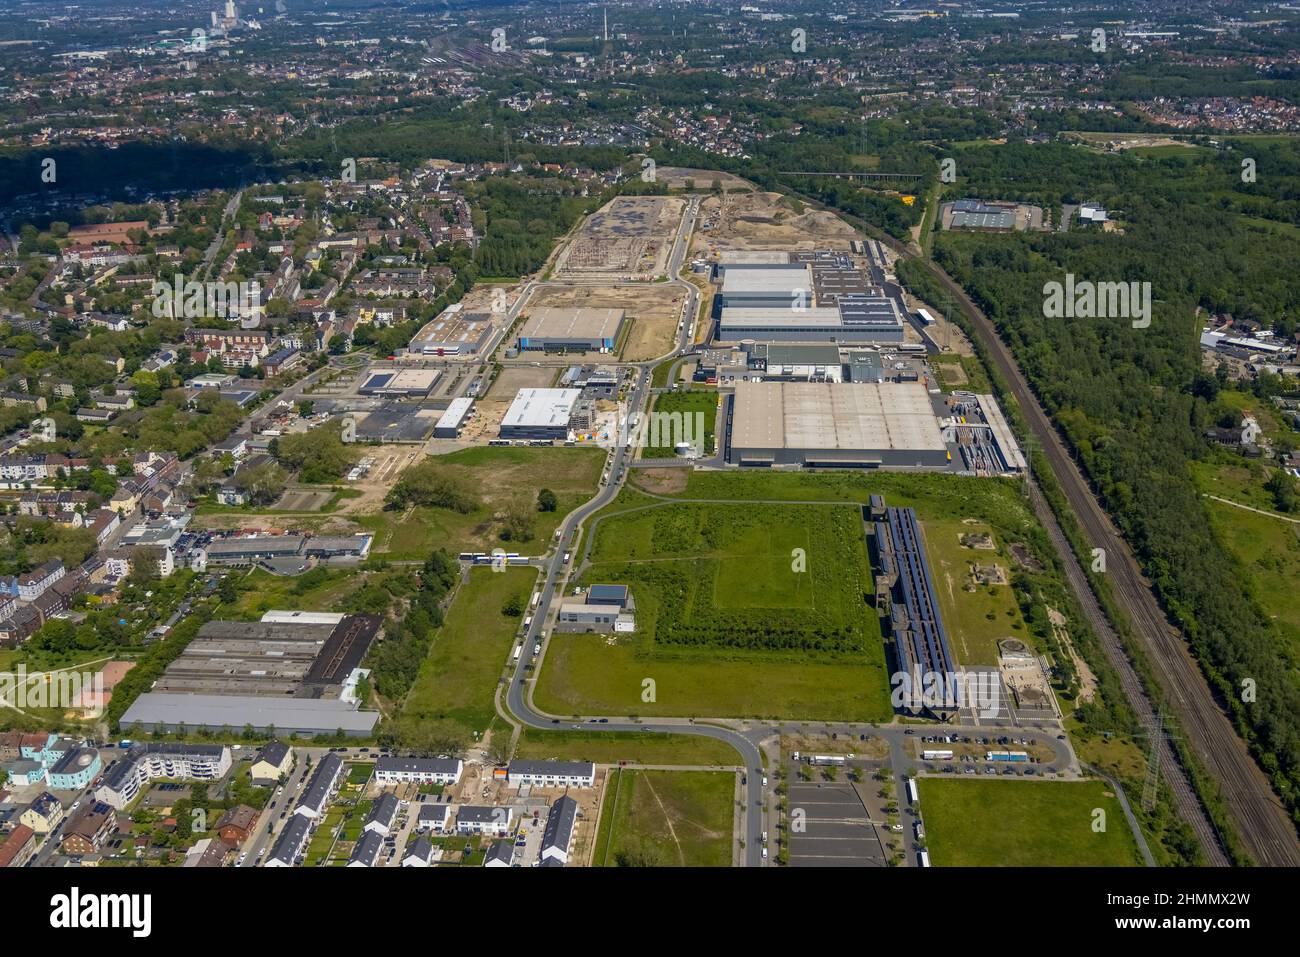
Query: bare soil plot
[(628, 236), (675, 177), (766, 221)]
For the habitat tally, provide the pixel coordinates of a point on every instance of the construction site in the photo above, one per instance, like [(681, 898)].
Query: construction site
[(629, 238)]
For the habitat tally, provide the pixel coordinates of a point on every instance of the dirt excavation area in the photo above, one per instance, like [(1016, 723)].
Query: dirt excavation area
[(766, 221)]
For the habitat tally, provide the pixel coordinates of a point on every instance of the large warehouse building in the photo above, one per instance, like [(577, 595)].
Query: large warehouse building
[(572, 330), (540, 414), (289, 672), (827, 424), (821, 300)]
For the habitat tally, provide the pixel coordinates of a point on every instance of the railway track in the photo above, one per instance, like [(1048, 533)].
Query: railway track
[(1261, 820)]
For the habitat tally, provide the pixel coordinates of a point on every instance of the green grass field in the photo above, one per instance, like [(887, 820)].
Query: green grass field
[(458, 679), (1024, 824), (729, 621), (977, 619), (583, 674), (497, 474), (690, 403), (611, 748), (666, 819), (260, 591), (1269, 550)]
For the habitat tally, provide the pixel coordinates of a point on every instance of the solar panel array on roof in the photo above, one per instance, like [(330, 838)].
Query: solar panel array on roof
[(868, 310), (918, 626), (378, 381)]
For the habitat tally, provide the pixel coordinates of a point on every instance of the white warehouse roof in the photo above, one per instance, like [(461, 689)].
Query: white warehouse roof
[(541, 408)]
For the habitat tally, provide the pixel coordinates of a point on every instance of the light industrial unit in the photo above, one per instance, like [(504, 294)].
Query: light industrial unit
[(453, 420), (825, 424)]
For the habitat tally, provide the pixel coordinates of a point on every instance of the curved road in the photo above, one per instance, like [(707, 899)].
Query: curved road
[(519, 695)]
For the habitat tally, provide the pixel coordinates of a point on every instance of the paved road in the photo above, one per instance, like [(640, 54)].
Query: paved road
[(519, 695)]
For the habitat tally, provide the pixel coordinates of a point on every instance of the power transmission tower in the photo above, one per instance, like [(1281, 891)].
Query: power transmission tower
[(1155, 733)]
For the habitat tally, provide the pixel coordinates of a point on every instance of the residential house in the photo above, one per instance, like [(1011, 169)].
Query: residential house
[(484, 819), (551, 774), (561, 822), (44, 813), (395, 770), (19, 847), (235, 826), (273, 763), (88, 829)]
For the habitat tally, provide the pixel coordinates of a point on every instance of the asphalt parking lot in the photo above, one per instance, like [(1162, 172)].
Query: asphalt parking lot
[(837, 830)]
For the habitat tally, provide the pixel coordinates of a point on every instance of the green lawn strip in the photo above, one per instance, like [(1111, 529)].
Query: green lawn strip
[(631, 746), (1024, 824)]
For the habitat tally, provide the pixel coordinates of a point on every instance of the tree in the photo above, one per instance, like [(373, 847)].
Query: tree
[(518, 520), (318, 455), (546, 501), (429, 483), (262, 484), (144, 566), (227, 591), (1285, 489), (513, 607)]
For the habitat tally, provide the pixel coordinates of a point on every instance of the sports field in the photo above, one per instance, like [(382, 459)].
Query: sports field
[(1024, 823), (666, 819)]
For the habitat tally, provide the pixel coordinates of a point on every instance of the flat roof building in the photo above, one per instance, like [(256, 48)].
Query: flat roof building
[(872, 317), (582, 329), (453, 420), (540, 414), (765, 285), (399, 382), (305, 716), (453, 333), (851, 425)]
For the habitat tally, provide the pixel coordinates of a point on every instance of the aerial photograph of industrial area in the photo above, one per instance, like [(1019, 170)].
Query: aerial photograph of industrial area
[(679, 434)]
